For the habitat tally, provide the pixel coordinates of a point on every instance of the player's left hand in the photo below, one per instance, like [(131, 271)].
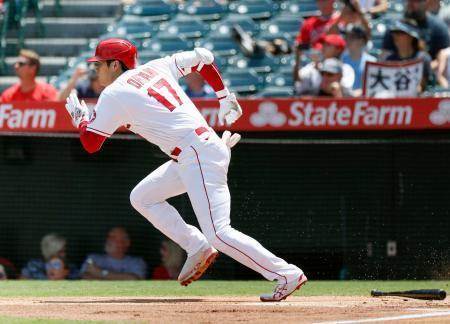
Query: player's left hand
[(230, 140), (230, 110), (77, 110)]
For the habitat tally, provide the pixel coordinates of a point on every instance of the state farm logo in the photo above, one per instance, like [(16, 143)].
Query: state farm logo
[(12, 118), (268, 114), (441, 116)]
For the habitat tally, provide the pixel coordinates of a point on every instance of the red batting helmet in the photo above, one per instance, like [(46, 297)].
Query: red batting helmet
[(116, 49)]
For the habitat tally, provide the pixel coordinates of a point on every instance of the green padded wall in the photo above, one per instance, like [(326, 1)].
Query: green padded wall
[(330, 207)]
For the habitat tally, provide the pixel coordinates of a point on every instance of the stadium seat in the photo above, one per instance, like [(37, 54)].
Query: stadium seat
[(220, 45), (156, 11), (167, 44), (284, 23), (243, 82), (275, 92), (185, 26), (302, 8), (223, 27), (136, 28), (255, 9), (205, 10), (282, 78), (263, 64), (148, 55)]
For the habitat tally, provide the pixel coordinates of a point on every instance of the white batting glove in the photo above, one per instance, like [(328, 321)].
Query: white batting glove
[(230, 140), (79, 112), (230, 110)]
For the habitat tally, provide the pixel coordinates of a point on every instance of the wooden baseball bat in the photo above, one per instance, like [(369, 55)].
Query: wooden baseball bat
[(428, 294)]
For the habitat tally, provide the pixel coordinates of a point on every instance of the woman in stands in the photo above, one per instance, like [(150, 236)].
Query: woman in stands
[(409, 46)]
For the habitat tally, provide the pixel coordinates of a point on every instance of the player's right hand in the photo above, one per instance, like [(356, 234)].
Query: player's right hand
[(78, 111), (229, 110)]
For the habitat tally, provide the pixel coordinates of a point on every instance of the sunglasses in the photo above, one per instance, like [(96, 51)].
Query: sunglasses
[(21, 63), (327, 74)]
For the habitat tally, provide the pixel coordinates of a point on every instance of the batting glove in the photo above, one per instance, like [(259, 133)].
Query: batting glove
[(230, 110), (79, 112), (230, 140)]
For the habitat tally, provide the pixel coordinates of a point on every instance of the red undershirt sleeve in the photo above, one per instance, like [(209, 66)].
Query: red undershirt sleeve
[(211, 74), (91, 142)]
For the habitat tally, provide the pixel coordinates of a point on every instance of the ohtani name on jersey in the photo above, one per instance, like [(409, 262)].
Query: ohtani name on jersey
[(140, 78), (26, 118)]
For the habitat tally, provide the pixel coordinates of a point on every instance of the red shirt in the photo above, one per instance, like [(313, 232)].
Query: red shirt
[(41, 92), (314, 30), (160, 273)]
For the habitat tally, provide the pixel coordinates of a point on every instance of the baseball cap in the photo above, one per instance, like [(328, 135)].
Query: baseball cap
[(406, 26), (331, 65), (335, 40)]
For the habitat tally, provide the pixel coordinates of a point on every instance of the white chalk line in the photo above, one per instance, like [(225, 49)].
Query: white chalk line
[(435, 313)]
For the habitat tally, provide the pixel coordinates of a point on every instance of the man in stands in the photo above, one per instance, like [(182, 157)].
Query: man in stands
[(28, 89), (116, 264)]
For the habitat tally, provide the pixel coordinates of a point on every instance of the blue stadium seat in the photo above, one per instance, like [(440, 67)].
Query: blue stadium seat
[(282, 78), (219, 45), (205, 10), (185, 26), (148, 55), (263, 64), (284, 23), (167, 44), (223, 27), (275, 92), (136, 29), (242, 81), (256, 9), (305, 8), (157, 10)]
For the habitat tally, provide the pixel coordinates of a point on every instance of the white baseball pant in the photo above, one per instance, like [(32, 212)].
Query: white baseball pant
[(201, 171)]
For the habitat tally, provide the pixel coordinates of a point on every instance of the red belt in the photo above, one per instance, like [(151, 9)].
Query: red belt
[(177, 151)]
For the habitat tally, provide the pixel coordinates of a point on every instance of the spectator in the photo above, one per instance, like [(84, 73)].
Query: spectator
[(356, 55), (88, 88), (330, 85), (443, 68), (313, 31), (197, 88), (432, 29), (28, 89), (7, 269), (116, 264), (409, 46), (309, 77), (373, 7), (172, 260), (434, 6), (351, 13), (53, 248)]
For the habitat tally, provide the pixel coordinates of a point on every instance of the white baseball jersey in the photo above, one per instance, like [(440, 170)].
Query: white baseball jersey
[(149, 101)]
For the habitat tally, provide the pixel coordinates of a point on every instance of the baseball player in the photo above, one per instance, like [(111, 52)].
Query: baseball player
[(148, 100)]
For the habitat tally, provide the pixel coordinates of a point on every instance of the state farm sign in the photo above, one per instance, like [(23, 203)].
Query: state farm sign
[(361, 114), (331, 114), (304, 114), (11, 118)]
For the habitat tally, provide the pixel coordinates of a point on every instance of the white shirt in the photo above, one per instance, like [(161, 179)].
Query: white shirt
[(149, 101), (310, 79)]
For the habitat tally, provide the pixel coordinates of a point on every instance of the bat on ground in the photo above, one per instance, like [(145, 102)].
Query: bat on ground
[(428, 294)]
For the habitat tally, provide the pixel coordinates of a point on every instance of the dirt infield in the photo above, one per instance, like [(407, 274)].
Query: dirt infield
[(228, 310)]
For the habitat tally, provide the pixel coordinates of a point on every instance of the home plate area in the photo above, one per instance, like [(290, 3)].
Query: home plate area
[(321, 309)]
